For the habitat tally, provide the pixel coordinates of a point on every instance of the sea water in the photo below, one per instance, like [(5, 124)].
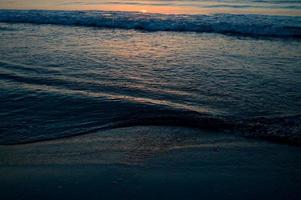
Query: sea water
[(70, 70)]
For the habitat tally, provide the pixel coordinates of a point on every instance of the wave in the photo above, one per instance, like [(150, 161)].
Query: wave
[(247, 24), (55, 120), (280, 129)]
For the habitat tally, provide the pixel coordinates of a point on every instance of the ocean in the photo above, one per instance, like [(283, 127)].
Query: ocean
[(71, 67), (150, 99)]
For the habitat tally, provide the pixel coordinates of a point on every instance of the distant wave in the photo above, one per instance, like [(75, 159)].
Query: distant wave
[(248, 24)]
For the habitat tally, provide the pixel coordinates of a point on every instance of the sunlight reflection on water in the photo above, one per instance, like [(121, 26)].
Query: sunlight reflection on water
[(273, 7)]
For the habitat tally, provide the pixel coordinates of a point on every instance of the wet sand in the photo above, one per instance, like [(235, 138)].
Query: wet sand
[(151, 163)]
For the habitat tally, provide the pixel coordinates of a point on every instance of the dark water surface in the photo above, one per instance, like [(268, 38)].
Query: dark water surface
[(58, 81)]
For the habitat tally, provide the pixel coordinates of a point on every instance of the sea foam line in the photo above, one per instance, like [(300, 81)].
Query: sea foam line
[(248, 24)]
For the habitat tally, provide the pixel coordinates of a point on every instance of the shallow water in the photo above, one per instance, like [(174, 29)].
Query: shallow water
[(58, 81)]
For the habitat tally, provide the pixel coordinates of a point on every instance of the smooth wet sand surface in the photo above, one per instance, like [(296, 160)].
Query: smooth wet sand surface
[(151, 163)]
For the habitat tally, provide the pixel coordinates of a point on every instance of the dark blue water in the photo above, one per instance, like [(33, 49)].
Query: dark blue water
[(60, 80), (255, 25)]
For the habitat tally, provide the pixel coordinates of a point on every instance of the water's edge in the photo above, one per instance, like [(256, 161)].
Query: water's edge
[(285, 129)]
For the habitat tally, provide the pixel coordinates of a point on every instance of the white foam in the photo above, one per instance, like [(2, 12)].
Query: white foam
[(248, 24)]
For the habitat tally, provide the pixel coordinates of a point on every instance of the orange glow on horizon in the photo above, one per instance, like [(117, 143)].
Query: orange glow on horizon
[(163, 9)]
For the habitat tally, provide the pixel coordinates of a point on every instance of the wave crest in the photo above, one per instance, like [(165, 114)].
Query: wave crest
[(248, 24)]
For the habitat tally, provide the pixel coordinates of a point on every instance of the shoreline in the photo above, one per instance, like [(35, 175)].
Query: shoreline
[(151, 163)]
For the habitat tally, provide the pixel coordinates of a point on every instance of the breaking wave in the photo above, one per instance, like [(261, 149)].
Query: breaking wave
[(247, 24)]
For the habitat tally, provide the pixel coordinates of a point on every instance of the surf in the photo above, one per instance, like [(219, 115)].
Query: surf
[(232, 24)]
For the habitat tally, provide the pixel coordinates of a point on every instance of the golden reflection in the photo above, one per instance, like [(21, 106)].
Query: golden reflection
[(143, 11), (151, 7)]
